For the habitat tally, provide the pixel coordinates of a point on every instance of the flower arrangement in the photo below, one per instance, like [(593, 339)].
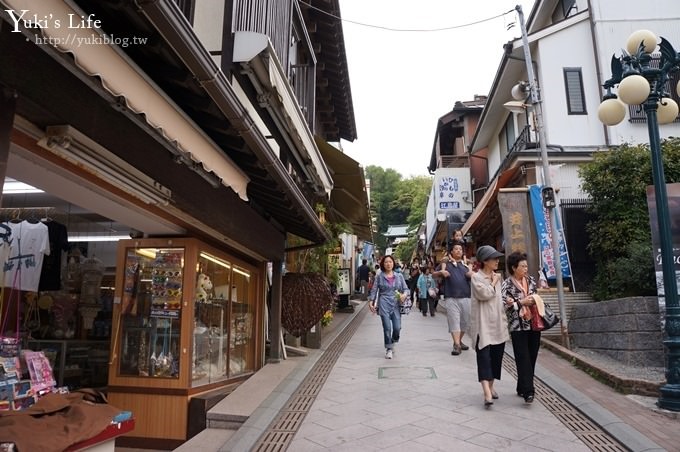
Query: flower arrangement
[(327, 318)]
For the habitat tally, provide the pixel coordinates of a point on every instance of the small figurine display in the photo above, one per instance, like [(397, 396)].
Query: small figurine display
[(204, 288)]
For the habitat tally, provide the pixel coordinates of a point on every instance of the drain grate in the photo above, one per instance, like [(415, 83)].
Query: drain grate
[(588, 432), (407, 373), (281, 432)]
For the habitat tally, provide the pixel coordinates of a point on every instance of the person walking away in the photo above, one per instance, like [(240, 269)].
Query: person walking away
[(388, 292), (427, 291), (488, 324), (456, 275), (412, 281), (364, 275), (519, 292)]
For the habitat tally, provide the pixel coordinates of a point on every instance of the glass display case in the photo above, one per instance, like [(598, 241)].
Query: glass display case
[(223, 322), (185, 318), (150, 312)]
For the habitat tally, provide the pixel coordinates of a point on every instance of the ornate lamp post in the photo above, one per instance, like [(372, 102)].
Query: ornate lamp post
[(639, 83)]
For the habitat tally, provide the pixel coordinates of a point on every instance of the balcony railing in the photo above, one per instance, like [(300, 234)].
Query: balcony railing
[(520, 143), (453, 161)]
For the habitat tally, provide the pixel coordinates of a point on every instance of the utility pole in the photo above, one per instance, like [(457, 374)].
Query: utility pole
[(554, 232)]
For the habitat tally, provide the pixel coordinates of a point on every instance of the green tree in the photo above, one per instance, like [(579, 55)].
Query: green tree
[(395, 200), (384, 186), (413, 194), (620, 237)]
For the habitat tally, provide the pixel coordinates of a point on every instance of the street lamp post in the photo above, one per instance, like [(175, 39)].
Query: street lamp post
[(547, 187), (640, 83)]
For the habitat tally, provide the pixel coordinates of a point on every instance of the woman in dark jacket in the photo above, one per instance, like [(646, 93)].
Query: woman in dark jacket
[(518, 294)]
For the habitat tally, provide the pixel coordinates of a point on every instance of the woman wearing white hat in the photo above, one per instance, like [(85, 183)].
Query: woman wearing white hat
[(488, 324)]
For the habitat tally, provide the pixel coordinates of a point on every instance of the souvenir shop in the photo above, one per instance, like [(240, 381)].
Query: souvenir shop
[(107, 308)]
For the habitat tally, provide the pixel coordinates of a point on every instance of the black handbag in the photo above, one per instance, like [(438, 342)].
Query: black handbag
[(550, 319)]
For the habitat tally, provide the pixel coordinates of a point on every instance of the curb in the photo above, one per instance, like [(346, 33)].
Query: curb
[(624, 433), (621, 384)]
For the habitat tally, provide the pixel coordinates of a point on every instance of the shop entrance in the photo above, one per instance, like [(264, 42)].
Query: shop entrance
[(65, 295)]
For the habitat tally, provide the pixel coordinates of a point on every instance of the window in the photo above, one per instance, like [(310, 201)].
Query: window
[(187, 8), (564, 9), (573, 83), (506, 138)]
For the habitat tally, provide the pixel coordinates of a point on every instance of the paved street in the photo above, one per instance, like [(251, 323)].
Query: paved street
[(424, 399), (347, 396)]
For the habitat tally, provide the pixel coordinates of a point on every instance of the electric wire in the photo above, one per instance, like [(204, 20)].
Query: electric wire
[(418, 30)]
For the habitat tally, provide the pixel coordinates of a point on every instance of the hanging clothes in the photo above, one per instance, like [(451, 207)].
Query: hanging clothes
[(50, 275), (28, 247)]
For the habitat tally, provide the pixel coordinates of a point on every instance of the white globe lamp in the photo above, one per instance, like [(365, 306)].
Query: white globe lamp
[(611, 112), (667, 111), (634, 89), (646, 37)]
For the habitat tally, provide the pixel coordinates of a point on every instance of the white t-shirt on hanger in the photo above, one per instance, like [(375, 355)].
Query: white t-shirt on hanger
[(28, 246)]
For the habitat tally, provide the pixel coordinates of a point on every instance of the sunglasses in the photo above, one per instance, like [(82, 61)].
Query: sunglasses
[(168, 273)]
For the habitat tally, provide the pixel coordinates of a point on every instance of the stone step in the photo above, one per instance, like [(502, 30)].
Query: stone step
[(570, 300)]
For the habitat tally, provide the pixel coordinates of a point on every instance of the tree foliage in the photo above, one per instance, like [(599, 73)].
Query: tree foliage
[(395, 200), (620, 236)]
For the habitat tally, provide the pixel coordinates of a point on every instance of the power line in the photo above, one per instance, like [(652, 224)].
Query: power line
[(381, 27)]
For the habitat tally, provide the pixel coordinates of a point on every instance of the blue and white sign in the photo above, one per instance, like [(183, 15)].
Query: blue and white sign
[(451, 190)]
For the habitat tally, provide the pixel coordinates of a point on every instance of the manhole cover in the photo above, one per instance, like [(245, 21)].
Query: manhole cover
[(407, 373)]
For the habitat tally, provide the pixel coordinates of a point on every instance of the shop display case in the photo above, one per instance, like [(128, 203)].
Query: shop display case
[(76, 364), (184, 323)]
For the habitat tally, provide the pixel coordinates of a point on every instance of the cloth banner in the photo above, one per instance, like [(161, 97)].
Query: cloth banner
[(516, 220), (673, 195), (544, 232)]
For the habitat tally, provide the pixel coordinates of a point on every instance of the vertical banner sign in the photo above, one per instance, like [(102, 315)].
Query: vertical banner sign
[(673, 191), (544, 231), (448, 189), (451, 190), (367, 252), (515, 215)]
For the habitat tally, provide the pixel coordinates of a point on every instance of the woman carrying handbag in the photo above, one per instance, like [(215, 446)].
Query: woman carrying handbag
[(519, 293)]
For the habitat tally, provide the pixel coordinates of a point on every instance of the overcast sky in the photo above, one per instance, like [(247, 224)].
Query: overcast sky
[(402, 82)]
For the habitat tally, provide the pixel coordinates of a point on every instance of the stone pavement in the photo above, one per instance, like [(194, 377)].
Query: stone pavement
[(422, 400), (426, 400)]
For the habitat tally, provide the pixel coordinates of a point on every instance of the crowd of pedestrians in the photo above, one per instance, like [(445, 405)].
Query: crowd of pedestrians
[(479, 304)]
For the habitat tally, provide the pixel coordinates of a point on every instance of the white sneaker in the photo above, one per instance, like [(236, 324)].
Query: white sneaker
[(388, 354)]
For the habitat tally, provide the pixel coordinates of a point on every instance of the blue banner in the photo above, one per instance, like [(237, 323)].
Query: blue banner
[(544, 231)]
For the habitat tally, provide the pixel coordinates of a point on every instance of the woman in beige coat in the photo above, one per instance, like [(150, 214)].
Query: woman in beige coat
[(488, 323)]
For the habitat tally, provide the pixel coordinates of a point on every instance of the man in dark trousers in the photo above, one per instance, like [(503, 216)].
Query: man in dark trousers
[(364, 273)]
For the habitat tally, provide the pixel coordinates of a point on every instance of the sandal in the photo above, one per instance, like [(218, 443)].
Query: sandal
[(494, 395)]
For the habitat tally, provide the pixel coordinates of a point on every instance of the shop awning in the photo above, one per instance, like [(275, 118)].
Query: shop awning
[(349, 200), (488, 201), (121, 77)]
